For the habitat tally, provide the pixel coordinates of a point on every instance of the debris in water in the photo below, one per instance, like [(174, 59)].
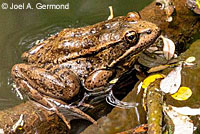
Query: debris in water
[(111, 13), (183, 93), (171, 83), (168, 48), (182, 123)]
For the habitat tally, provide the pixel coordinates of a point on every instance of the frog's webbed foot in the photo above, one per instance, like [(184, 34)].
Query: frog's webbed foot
[(98, 94), (64, 111), (98, 85), (112, 100), (69, 112)]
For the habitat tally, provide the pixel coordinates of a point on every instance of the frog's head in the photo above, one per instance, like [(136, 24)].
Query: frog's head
[(137, 34)]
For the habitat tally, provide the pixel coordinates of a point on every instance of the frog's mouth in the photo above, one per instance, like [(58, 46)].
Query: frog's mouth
[(140, 46)]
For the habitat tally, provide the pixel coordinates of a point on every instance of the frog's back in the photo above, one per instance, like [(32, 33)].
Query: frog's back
[(71, 41)]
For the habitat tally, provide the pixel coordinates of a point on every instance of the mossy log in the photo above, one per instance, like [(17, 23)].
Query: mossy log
[(184, 25)]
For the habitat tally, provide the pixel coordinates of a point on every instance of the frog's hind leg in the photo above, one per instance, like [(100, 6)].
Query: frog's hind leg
[(58, 106), (62, 84), (29, 79)]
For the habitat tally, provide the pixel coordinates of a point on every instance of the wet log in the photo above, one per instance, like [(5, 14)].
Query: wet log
[(154, 108), (38, 120), (181, 30)]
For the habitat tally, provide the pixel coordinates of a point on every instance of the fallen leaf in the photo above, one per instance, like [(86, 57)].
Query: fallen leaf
[(168, 48), (182, 94), (151, 79), (171, 83), (190, 59), (111, 13), (198, 4), (158, 68), (113, 81), (182, 123), (187, 110)]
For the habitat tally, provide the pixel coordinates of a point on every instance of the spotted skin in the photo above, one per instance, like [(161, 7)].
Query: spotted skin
[(87, 57)]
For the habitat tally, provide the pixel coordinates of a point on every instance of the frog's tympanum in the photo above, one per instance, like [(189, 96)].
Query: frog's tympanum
[(85, 58)]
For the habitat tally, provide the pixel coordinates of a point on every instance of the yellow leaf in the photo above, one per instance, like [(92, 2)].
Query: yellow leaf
[(182, 94), (198, 3), (151, 79), (20, 128), (113, 81)]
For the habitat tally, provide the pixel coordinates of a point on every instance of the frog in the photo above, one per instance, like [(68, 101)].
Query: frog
[(82, 59)]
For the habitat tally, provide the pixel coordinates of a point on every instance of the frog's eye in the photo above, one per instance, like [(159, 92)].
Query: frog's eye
[(131, 37)]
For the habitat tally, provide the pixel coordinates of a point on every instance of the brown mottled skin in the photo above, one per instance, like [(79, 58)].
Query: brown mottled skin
[(89, 55)]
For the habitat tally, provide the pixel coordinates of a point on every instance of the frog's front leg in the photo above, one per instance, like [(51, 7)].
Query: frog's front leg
[(103, 78), (98, 79)]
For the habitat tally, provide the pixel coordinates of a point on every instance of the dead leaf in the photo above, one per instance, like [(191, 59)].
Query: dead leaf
[(168, 48), (182, 123), (157, 68), (171, 83), (111, 13)]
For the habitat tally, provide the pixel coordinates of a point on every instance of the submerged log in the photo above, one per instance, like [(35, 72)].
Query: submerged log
[(38, 120)]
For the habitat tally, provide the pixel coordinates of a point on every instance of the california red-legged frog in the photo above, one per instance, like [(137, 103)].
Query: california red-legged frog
[(87, 57)]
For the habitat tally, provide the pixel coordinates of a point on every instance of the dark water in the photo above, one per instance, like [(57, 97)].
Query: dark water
[(21, 28)]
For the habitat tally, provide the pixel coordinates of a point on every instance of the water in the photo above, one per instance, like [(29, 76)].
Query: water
[(21, 28)]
